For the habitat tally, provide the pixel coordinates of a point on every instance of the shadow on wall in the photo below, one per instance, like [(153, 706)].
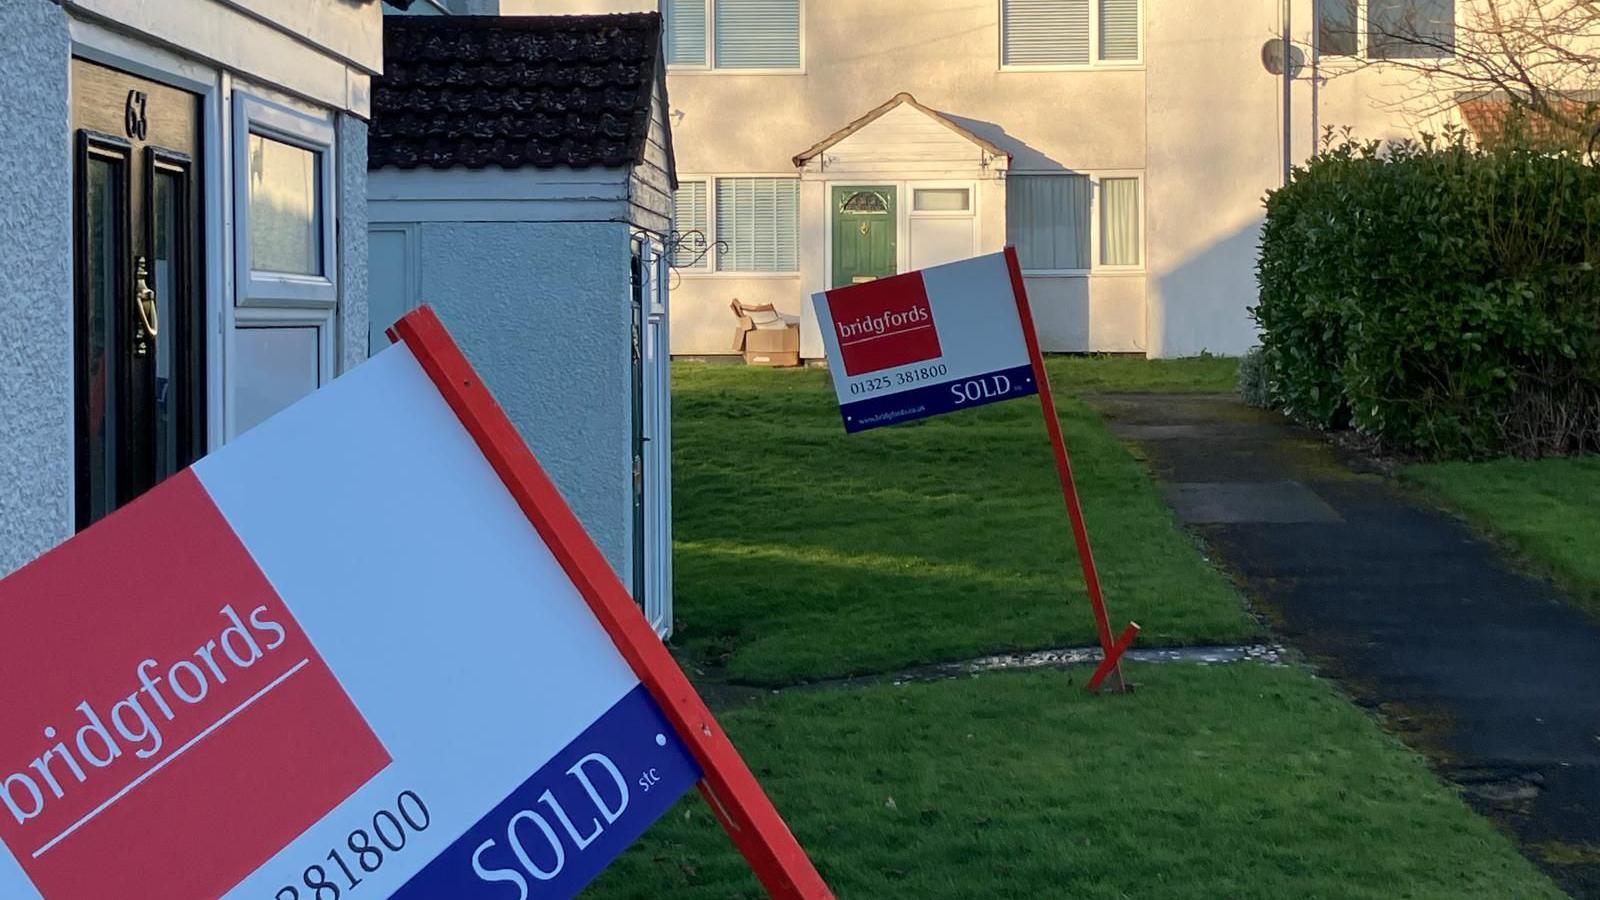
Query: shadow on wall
[(1199, 304), (1024, 157)]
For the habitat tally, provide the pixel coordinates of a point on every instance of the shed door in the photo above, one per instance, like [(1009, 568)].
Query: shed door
[(139, 335), (657, 444), (864, 240)]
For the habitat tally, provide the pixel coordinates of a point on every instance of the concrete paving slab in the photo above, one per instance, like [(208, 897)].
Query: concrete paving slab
[(1278, 502)]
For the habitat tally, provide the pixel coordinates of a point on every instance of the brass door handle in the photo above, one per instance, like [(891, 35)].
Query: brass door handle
[(145, 299)]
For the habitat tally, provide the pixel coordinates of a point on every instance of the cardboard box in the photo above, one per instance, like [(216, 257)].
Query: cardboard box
[(772, 347), (765, 336)]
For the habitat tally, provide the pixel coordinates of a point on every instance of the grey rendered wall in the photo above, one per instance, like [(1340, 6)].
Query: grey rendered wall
[(36, 450), (542, 311), (353, 312)]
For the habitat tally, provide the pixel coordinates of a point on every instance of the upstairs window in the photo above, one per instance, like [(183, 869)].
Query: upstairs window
[(1411, 29), (1338, 27), (735, 35), (1069, 33), (1386, 29)]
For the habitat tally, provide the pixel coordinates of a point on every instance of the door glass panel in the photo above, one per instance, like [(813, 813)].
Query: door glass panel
[(285, 218), (276, 367), (164, 266), (102, 188)]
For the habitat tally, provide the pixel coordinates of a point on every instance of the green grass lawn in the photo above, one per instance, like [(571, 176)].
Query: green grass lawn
[(802, 552), (1242, 781), (1548, 510)]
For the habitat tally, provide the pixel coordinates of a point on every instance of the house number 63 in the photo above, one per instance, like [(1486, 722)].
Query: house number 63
[(133, 116)]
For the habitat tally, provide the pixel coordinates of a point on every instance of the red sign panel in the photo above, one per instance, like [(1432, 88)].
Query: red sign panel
[(197, 684), (884, 323)]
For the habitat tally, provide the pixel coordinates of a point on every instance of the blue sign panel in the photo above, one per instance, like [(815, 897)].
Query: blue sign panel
[(936, 399), (562, 826)]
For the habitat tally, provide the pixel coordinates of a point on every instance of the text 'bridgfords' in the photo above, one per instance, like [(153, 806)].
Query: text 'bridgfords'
[(134, 726)]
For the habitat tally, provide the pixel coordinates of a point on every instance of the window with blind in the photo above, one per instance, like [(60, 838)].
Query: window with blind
[(759, 221), (1064, 33), (686, 32), (733, 34), (1047, 220), (691, 226)]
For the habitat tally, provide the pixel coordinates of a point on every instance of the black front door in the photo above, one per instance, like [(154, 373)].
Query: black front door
[(139, 317)]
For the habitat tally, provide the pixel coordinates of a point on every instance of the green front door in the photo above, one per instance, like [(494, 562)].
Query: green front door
[(863, 233)]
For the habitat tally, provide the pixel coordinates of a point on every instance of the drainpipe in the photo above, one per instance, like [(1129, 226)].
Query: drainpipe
[(1288, 91), (1316, 78)]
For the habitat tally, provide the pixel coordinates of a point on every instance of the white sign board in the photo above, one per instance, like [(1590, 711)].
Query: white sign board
[(925, 342)]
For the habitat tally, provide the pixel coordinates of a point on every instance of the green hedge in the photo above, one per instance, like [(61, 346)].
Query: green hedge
[(1441, 298)]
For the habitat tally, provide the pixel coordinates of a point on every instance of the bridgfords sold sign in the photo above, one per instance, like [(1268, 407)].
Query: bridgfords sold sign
[(362, 651), (925, 342)]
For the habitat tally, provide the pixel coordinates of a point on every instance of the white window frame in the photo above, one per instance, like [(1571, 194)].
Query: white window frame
[(323, 320), (1340, 61), (1094, 63), (257, 115), (712, 268), (710, 67), (1095, 267)]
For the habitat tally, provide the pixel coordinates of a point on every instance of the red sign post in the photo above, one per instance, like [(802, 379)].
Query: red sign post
[(1111, 664), (932, 341)]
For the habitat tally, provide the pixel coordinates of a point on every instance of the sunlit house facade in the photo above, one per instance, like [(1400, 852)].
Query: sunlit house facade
[(1124, 146)]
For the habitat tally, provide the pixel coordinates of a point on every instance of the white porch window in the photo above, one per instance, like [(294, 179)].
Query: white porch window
[(1120, 239), (283, 193), (1047, 219), (691, 226), (759, 220), (1070, 33), (744, 35), (281, 346)]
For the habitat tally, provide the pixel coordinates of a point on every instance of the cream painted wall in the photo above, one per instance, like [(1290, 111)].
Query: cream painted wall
[(1201, 120)]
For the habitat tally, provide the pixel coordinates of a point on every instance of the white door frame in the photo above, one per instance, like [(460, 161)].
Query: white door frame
[(655, 358)]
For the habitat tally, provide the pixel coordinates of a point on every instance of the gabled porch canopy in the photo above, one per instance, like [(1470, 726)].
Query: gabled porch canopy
[(899, 132)]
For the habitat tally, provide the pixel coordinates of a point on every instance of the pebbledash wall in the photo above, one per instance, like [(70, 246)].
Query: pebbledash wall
[(1198, 120), (554, 349), (312, 57), (35, 279)]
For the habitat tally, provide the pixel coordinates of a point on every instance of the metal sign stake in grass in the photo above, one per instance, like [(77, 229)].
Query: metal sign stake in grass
[(941, 339), (377, 656)]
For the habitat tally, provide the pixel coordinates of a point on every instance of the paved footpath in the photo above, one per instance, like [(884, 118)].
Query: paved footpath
[(1483, 669)]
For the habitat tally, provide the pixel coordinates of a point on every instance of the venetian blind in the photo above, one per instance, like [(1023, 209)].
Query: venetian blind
[(1119, 30), (757, 34), (1044, 32), (686, 32), (759, 219), (689, 224)]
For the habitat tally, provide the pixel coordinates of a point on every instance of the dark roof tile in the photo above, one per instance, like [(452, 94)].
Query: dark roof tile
[(514, 91)]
